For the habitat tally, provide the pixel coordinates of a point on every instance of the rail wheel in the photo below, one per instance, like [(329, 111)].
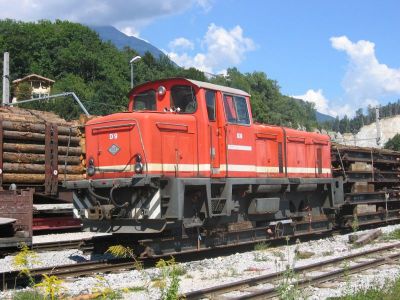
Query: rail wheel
[(279, 230)]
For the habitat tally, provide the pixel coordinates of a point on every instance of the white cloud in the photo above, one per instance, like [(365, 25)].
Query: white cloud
[(324, 105), (130, 31), (223, 48), (120, 13), (206, 5), (181, 43), (365, 82), (366, 79), (316, 97)]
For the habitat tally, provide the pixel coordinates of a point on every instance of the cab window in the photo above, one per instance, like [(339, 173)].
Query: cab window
[(145, 101), (236, 110), (183, 99), (210, 102)]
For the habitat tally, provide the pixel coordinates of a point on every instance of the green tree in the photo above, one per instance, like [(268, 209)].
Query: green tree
[(24, 91), (393, 143)]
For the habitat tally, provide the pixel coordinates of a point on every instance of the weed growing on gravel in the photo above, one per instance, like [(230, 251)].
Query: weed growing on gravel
[(355, 225), (104, 290), (259, 251), (125, 252), (346, 276), (279, 254), (28, 295), (394, 235), (24, 261), (390, 291), (327, 253), (134, 289), (169, 281), (303, 254), (261, 246), (288, 288), (51, 285)]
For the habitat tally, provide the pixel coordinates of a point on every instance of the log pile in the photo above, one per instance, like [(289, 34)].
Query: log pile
[(25, 156)]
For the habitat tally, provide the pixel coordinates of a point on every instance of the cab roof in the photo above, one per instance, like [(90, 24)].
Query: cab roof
[(201, 84)]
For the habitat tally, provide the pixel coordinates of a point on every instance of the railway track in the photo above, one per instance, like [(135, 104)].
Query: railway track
[(261, 287), (267, 286), (13, 278), (56, 245), (47, 246)]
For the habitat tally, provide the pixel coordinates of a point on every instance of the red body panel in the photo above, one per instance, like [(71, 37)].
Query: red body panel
[(190, 145)]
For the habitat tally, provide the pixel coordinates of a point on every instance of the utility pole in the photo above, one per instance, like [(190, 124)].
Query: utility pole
[(378, 127), (6, 78), (136, 58)]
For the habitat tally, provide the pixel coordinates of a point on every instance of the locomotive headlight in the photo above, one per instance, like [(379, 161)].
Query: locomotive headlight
[(91, 168), (161, 91), (138, 164)]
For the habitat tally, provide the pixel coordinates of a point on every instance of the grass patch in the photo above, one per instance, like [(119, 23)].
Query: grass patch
[(390, 291), (304, 254), (261, 246), (28, 295), (134, 289), (394, 235), (327, 253)]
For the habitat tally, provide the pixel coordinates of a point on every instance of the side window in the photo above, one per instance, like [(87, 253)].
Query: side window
[(183, 99), (236, 110), (210, 102), (145, 101)]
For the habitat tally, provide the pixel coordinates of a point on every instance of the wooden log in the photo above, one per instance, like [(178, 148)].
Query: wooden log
[(34, 119), (34, 148), (38, 114), (84, 118), (39, 168), (38, 128), (37, 158), (18, 135), (82, 144), (368, 237), (34, 178)]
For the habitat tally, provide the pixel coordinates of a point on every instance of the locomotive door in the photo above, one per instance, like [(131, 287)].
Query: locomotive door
[(240, 158), (215, 134)]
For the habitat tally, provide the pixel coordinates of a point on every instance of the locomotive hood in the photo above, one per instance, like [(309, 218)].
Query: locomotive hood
[(114, 145)]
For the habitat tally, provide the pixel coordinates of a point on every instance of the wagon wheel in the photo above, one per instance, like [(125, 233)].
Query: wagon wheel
[(293, 228), (278, 230)]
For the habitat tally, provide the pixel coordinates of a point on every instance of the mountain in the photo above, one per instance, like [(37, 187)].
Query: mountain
[(121, 40), (323, 117)]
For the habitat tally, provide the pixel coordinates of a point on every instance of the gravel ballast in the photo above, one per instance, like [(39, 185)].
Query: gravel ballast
[(219, 270)]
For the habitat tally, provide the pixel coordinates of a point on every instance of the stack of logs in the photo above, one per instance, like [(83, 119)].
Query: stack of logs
[(25, 147)]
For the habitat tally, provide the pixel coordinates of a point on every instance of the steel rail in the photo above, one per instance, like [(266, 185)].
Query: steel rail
[(56, 245)]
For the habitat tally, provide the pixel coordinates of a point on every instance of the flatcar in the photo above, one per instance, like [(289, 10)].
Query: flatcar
[(187, 165)]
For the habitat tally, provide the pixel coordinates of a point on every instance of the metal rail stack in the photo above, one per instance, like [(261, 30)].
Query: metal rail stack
[(371, 184)]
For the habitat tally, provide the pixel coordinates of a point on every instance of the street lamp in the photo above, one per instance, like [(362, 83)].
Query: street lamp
[(136, 58)]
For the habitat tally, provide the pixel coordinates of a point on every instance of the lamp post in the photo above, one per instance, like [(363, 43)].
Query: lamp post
[(136, 58)]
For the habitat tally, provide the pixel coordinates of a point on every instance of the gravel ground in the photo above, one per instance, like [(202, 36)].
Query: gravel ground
[(215, 271), (55, 258), (73, 236)]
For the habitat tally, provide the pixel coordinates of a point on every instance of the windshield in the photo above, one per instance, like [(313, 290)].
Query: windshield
[(182, 97), (145, 101)]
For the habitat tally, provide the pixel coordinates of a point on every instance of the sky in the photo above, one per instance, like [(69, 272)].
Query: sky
[(340, 55)]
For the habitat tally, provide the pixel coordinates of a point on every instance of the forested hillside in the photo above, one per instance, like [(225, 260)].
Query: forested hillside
[(76, 58), (360, 119)]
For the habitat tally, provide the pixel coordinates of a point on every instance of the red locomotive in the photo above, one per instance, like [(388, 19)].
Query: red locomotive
[(186, 160)]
